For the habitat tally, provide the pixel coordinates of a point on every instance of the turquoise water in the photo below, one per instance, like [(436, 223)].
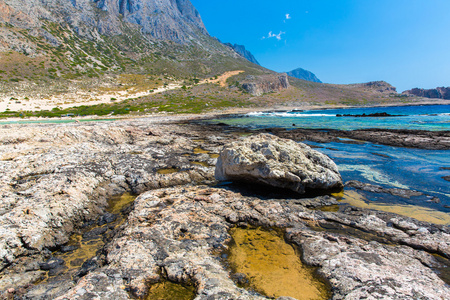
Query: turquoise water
[(427, 117), (390, 167)]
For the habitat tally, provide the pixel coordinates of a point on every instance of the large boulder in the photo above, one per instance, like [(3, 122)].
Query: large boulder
[(282, 163)]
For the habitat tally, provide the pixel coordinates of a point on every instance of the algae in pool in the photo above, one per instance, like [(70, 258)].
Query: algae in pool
[(168, 290), (200, 163), (272, 266), (167, 171), (417, 212), (214, 155), (88, 247), (199, 150)]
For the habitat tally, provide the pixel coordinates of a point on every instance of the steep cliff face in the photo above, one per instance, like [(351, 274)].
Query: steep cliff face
[(304, 74), (240, 49), (174, 20), (439, 93), (258, 85)]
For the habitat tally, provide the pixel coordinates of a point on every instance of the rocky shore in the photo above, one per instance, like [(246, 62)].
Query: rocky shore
[(422, 139), (58, 178)]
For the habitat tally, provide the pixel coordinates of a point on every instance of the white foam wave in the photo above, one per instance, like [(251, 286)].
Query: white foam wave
[(286, 115)]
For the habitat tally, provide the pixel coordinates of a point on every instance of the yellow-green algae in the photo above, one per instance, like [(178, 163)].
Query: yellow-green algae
[(166, 290), (87, 248), (272, 266), (199, 150), (166, 171), (417, 212), (117, 203), (200, 163)]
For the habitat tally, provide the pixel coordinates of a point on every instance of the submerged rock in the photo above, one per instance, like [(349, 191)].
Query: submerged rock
[(267, 159)]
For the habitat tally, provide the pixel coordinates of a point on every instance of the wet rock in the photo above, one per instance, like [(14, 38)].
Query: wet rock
[(446, 178), (69, 248), (179, 230), (95, 233), (422, 139), (52, 263), (276, 162), (106, 219), (404, 193)]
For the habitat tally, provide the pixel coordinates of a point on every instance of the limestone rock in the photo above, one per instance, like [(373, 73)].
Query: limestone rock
[(258, 85), (281, 163), (439, 93)]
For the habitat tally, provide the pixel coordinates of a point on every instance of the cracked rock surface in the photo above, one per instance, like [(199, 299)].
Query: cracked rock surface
[(56, 177)]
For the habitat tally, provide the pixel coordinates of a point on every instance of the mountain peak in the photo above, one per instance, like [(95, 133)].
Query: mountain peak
[(304, 74), (174, 20)]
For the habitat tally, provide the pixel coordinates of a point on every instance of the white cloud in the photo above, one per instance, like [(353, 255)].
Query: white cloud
[(273, 35), (288, 17)]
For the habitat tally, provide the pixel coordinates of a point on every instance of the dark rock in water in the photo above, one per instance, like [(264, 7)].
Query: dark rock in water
[(94, 233), (446, 178), (304, 75), (422, 139), (52, 263), (381, 114), (269, 160), (379, 189), (70, 248), (106, 219), (90, 265), (240, 278)]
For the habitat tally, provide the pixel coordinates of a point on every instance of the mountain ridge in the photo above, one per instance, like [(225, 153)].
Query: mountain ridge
[(240, 49), (437, 93)]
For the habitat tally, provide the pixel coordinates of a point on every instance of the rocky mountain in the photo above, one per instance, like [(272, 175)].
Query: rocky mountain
[(50, 47), (240, 49), (304, 74), (175, 20), (439, 93)]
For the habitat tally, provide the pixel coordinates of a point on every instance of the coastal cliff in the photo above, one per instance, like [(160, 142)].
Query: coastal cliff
[(438, 93)]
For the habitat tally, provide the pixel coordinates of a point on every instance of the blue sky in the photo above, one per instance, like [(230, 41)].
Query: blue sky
[(404, 42)]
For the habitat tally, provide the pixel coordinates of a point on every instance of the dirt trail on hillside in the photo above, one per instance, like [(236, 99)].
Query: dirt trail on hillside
[(222, 79), (79, 98)]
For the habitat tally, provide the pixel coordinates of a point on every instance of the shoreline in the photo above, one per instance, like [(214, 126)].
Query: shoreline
[(58, 174), (223, 113)]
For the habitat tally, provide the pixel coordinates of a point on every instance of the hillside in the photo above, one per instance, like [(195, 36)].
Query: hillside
[(63, 47), (114, 57)]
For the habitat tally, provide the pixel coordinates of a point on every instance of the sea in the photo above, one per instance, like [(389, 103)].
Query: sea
[(390, 167)]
